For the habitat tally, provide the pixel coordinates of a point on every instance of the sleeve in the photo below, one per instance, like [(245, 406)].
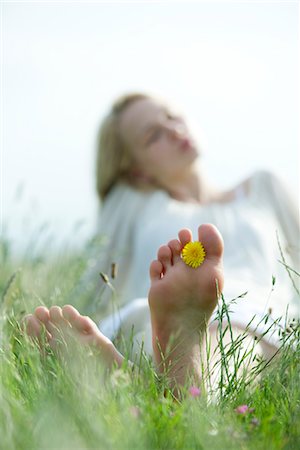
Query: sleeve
[(113, 244), (269, 191), (277, 196), (96, 289)]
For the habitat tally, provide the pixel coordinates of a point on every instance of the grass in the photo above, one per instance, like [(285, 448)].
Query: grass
[(50, 403)]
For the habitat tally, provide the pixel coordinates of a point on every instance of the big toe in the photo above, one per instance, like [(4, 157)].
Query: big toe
[(81, 324), (212, 240)]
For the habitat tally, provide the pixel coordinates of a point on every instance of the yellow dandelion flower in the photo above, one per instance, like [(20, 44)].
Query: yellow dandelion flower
[(193, 254)]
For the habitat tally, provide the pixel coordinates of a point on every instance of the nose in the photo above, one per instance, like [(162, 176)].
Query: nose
[(176, 131)]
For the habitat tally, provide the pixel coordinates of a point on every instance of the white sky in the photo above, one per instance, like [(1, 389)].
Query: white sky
[(232, 67)]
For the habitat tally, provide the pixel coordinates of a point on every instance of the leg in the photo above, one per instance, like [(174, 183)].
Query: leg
[(246, 348), (181, 301)]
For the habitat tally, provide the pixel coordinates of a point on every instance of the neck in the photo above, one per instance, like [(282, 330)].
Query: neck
[(192, 186)]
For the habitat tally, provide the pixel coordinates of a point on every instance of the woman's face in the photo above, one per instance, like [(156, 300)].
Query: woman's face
[(159, 141)]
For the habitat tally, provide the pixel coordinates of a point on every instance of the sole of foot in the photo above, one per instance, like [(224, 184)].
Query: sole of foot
[(182, 298)]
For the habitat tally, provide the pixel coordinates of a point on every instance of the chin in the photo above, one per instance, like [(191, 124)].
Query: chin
[(194, 154)]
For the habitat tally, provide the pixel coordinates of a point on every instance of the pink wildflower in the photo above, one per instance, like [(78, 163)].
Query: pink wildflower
[(242, 409), (194, 391)]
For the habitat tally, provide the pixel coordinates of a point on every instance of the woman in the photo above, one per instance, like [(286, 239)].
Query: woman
[(151, 184)]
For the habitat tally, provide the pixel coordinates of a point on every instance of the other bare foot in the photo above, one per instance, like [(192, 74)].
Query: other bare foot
[(65, 325)]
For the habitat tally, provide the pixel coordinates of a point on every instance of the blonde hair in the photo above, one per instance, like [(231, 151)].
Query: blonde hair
[(113, 159)]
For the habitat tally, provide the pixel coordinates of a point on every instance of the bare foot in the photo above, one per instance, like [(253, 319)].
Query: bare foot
[(62, 326), (181, 301)]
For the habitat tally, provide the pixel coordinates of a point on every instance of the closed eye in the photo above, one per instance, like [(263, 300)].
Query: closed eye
[(154, 135), (172, 116)]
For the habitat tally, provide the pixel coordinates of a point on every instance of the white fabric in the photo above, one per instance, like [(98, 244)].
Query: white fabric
[(137, 223)]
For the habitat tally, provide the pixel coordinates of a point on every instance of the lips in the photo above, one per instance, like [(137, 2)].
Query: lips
[(186, 144)]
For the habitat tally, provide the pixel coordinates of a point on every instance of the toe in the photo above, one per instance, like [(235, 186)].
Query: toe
[(185, 236), (164, 255), (70, 313), (84, 324), (32, 325), (211, 239), (34, 328), (42, 313), (56, 316), (176, 248), (58, 326), (80, 323), (156, 269)]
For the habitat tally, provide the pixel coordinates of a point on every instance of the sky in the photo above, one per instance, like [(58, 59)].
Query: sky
[(231, 67)]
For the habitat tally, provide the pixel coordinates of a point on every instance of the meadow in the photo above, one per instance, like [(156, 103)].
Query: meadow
[(48, 402)]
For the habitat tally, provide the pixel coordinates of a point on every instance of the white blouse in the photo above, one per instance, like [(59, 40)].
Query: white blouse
[(135, 224)]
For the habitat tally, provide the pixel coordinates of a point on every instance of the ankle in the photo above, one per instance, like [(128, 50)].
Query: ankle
[(180, 364)]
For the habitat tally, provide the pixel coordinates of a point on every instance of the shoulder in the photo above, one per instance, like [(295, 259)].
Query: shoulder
[(269, 190), (269, 183), (260, 186), (261, 183), (122, 190), (122, 195), (254, 185), (263, 176), (126, 200)]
